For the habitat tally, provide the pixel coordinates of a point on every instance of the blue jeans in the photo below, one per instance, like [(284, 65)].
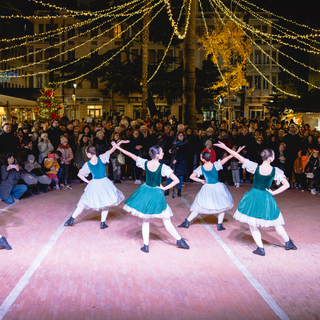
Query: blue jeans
[(180, 182), (16, 193)]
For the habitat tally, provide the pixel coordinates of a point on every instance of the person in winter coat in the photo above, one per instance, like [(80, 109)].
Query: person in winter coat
[(44, 146), (54, 133), (193, 154), (312, 170), (51, 163), (66, 157), (10, 190), (81, 156), (299, 167), (8, 141), (134, 146), (179, 152)]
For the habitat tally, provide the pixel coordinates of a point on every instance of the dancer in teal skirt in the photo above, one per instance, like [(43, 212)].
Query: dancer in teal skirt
[(148, 201), (258, 207)]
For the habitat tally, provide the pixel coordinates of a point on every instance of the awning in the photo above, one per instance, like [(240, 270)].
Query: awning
[(15, 102)]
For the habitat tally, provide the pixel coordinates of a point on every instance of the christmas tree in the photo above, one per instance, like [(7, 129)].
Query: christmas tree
[(48, 106)]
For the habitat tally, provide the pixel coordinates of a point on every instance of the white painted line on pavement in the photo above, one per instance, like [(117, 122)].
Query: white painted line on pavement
[(264, 294), (13, 295)]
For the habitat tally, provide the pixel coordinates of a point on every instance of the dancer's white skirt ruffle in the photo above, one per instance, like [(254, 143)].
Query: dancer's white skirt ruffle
[(100, 194), (212, 199), (167, 213), (255, 222)]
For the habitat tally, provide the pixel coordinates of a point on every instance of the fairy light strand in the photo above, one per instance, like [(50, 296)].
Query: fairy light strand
[(169, 45), (89, 54), (61, 43), (106, 61)]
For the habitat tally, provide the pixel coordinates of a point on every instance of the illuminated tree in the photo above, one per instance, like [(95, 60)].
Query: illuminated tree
[(227, 46), (48, 106)]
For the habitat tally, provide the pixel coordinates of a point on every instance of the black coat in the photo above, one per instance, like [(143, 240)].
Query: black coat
[(54, 135), (8, 143), (9, 180), (181, 157)]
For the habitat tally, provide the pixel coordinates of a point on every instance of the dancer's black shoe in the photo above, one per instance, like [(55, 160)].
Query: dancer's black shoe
[(259, 251), (103, 225), (290, 245), (179, 193), (145, 248), (182, 244), (221, 227), (166, 193), (4, 243), (184, 224), (69, 222)]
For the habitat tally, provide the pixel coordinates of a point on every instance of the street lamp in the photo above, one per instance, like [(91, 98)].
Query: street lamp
[(74, 97)]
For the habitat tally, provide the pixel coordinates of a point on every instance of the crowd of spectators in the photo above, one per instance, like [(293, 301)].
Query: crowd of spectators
[(37, 157)]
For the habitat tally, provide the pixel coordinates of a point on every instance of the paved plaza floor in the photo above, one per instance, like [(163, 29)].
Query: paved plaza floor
[(82, 272)]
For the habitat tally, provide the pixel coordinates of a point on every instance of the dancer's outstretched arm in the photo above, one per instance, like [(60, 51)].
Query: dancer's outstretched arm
[(285, 186), (118, 144), (127, 153), (226, 159), (175, 180), (233, 153)]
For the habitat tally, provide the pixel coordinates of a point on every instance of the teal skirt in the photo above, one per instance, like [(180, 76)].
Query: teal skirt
[(148, 202)]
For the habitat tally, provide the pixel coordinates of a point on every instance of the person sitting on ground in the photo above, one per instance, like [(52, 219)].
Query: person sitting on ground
[(10, 190)]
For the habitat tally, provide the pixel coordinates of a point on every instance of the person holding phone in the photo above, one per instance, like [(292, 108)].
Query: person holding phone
[(10, 190)]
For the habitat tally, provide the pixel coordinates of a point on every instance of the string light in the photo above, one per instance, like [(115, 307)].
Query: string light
[(254, 66), (61, 43), (85, 13), (174, 24), (106, 61), (284, 54), (87, 55), (169, 45), (275, 26), (281, 17), (74, 48)]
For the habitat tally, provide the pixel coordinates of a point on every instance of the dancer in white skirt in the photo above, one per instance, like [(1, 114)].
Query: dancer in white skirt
[(213, 197), (148, 201), (100, 193), (4, 243)]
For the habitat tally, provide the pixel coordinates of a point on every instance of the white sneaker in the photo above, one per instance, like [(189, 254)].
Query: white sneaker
[(237, 185), (135, 181), (67, 186), (138, 181), (313, 191)]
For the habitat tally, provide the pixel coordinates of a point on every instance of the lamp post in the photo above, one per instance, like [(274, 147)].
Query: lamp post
[(74, 98)]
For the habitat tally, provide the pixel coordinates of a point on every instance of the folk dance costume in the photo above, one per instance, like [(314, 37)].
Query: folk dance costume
[(148, 202), (4, 243), (100, 193), (258, 207), (213, 197)]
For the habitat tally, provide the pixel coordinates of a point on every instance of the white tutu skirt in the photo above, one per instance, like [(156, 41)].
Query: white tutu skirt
[(255, 222), (167, 213), (212, 199), (101, 194)]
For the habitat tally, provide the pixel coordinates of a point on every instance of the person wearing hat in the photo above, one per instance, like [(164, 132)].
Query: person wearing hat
[(66, 157), (10, 190), (312, 170), (44, 147)]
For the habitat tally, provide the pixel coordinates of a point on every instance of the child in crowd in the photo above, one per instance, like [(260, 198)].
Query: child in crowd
[(34, 168), (52, 164), (234, 166), (66, 157), (299, 166)]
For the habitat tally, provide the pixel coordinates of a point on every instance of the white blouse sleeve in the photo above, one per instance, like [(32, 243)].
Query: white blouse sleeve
[(85, 171), (279, 176), (141, 163), (198, 171), (166, 171), (218, 165), (105, 157), (250, 166)]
